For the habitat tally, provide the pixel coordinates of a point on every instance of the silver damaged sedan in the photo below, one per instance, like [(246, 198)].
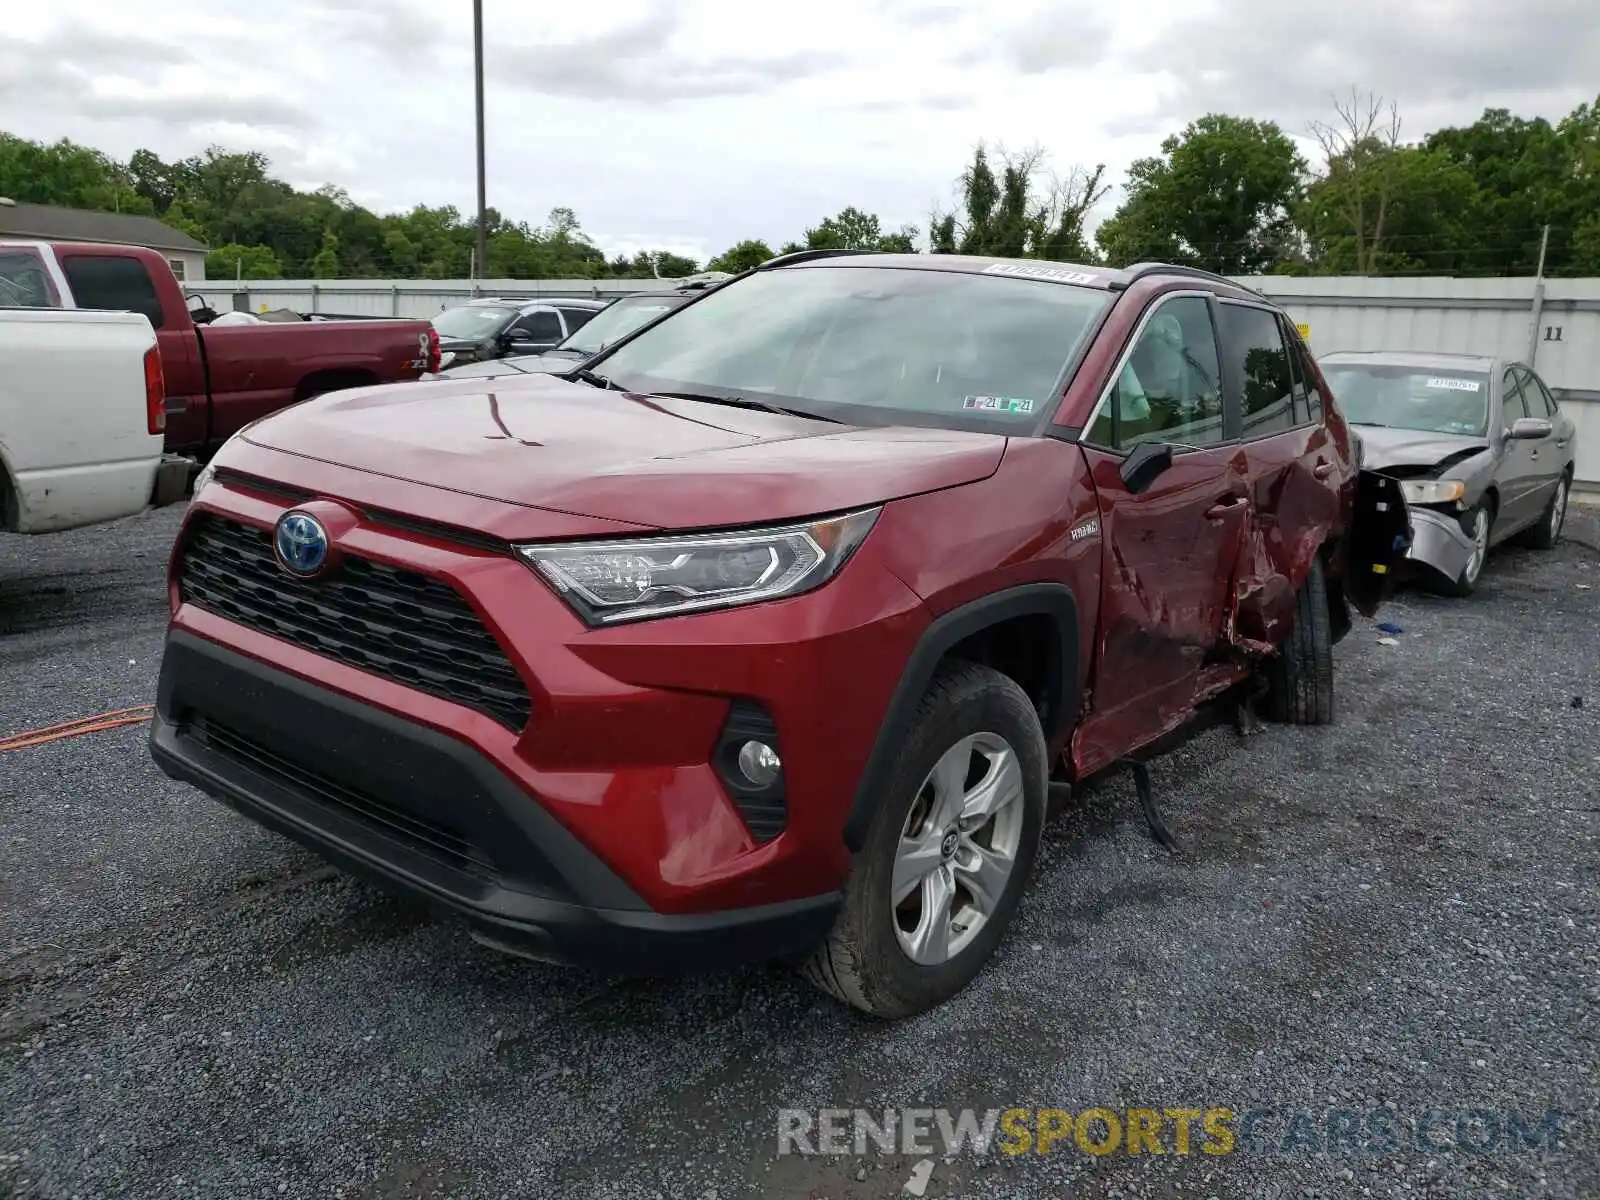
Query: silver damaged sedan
[(1483, 452)]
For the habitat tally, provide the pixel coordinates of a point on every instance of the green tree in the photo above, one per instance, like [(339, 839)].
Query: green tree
[(247, 262), (1219, 196), (1522, 172), (741, 256), (1023, 212), (325, 264), (852, 229)]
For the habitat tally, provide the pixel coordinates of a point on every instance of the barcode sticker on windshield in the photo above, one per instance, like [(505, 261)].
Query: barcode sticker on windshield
[(1456, 385), (1004, 404), (1029, 271)]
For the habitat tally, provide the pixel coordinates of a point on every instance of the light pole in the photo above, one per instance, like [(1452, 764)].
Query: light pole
[(483, 215)]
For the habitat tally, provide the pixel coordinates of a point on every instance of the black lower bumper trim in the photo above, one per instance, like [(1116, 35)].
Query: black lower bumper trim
[(428, 815)]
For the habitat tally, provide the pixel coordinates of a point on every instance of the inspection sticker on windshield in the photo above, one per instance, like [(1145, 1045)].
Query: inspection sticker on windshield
[(1003, 404), (1029, 271), (1456, 385)]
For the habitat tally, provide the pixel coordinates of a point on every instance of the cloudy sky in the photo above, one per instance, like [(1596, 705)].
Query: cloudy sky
[(690, 124)]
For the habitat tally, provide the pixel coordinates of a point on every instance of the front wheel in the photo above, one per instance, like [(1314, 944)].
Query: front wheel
[(1477, 522), (948, 854)]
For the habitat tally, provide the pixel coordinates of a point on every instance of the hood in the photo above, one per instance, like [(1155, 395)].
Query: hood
[(1382, 447), (546, 443)]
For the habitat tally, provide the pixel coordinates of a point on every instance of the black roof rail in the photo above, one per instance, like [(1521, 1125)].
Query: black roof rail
[(1139, 270), (800, 256)]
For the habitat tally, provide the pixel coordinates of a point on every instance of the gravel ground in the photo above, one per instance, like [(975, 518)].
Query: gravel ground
[(1397, 910)]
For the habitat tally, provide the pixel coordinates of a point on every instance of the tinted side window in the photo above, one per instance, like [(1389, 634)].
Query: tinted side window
[(1170, 389), (1300, 389), (542, 326), (1256, 347), (113, 285), (576, 318), (1534, 389), (1308, 376), (1511, 405)]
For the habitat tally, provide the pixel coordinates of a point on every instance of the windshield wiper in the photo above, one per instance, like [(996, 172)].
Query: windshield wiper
[(593, 379), (747, 402)]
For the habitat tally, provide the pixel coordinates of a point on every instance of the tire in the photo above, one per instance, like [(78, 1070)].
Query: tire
[(1478, 523), (1547, 532), (867, 958), (1300, 676)]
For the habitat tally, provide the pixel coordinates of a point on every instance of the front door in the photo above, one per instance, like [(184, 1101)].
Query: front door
[(1515, 476), (1169, 549)]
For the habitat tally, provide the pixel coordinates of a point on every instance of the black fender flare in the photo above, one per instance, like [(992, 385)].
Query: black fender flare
[(1053, 600)]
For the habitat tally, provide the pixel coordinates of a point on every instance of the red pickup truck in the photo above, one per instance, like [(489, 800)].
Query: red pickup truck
[(219, 378)]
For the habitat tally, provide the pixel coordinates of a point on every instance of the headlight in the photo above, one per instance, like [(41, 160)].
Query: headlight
[(609, 582), (204, 475), (1433, 491)]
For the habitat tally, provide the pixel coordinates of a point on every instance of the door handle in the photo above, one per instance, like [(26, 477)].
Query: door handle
[(1322, 470), (1223, 507)]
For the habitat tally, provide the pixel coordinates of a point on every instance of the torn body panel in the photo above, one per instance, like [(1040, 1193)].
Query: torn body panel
[(1380, 538), (1438, 541), (1293, 512), (1168, 562)]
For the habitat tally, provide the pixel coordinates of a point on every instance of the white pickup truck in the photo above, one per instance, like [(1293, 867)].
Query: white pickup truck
[(82, 417)]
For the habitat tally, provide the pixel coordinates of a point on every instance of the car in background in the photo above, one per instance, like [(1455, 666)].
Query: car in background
[(219, 378), (493, 328), (618, 319), (761, 636), (1481, 447), (82, 417)]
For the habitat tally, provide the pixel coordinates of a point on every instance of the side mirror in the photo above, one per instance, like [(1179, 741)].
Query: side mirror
[(1145, 465), (520, 347), (1528, 428)]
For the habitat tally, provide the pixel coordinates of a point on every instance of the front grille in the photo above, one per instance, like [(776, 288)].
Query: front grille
[(392, 623), (439, 842)]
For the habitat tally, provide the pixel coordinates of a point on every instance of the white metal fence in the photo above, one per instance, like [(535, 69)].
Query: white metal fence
[(1553, 325)]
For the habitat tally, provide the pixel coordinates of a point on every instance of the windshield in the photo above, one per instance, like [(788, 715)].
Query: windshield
[(472, 323), (1425, 399), (890, 344), (615, 321)]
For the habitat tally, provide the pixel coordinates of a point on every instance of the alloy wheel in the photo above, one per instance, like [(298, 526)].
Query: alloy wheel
[(1480, 545), (1558, 510), (958, 849)]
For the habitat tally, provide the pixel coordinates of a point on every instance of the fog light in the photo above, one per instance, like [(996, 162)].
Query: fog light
[(759, 763)]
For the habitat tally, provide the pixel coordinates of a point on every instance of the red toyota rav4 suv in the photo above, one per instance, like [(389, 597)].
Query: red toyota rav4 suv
[(762, 634)]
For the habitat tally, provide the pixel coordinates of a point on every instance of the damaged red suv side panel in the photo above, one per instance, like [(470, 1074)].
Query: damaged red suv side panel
[(765, 638)]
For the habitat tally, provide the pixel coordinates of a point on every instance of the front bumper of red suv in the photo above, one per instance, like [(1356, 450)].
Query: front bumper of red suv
[(422, 811), (583, 818)]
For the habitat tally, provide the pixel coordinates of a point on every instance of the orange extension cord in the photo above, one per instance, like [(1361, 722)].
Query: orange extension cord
[(115, 719)]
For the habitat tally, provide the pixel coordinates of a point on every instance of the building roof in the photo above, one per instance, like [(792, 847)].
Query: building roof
[(49, 222)]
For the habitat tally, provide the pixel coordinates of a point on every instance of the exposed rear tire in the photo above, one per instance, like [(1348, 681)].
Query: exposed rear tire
[(957, 834), (1300, 676)]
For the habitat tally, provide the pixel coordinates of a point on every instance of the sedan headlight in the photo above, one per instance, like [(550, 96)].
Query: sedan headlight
[(634, 579), (1433, 491)]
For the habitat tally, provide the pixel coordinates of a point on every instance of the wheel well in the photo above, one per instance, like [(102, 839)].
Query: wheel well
[(319, 382), (1026, 648), (1493, 497)]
